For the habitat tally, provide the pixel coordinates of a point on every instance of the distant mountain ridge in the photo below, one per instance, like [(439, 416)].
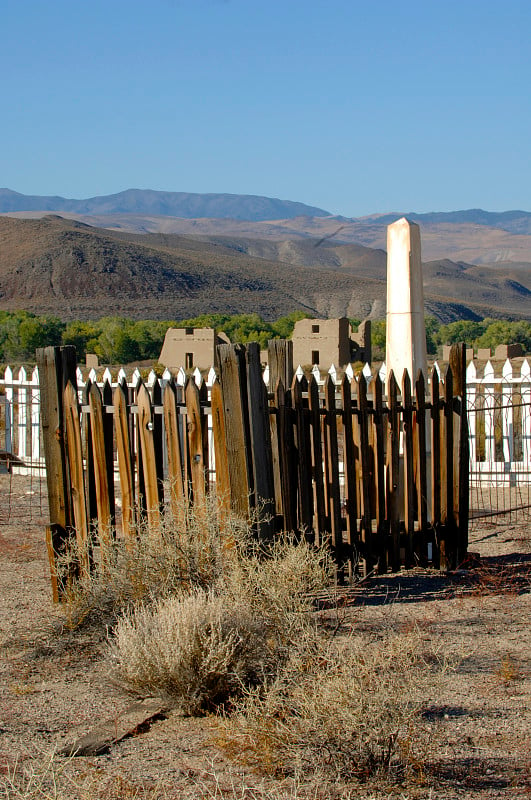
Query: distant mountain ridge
[(512, 221), (52, 265), (254, 208), (174, 204)]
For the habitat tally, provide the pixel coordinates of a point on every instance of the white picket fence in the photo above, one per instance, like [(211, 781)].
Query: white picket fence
[(499, 412)]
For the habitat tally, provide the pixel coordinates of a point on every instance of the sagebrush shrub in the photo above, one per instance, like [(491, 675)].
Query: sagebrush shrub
[(196, 648)]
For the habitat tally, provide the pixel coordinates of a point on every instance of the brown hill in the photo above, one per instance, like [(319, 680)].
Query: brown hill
[(53, 265)]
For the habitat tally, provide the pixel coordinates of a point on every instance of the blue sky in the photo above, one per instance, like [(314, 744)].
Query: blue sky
[(353, 107)]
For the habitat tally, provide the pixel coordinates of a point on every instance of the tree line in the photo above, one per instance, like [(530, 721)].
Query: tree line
[(118, 340)]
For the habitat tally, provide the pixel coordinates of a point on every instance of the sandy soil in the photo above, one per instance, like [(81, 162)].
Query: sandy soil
[(55, 687)]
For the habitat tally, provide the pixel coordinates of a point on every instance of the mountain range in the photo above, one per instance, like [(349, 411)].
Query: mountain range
[(128, 254)]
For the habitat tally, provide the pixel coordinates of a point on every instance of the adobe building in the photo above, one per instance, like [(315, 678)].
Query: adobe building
[(330, 341), (190, 348)]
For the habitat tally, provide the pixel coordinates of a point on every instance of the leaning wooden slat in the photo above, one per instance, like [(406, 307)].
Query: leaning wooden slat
[(260, 433), (409, 456), (366, 475), (332, 469), (173, 448), (319, 522), (349, 465), (147, 448), (304, 464), (421, 467), (77, 483), (393, 467), (100, 466), (379, 471), (125, 468)]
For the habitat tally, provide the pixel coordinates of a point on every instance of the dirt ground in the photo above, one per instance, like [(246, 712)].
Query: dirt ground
[(55, 687)]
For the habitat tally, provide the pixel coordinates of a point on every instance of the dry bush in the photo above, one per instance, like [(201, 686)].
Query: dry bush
[(338, 710), (202, 647), (196, 648), (184, 552)]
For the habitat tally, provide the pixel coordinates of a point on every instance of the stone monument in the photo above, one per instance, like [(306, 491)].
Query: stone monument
[(406, 332)]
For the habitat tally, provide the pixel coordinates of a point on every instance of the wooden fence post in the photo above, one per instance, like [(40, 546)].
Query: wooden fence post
[(56, 367)]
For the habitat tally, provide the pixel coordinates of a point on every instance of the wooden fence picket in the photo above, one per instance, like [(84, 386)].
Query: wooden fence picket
[(332, 469), (319, 517), (349, 468), (379, 474), (304, 460), (125, 466), (77, 478), (147, 450), (393, 471), (173, 450), (101, 474), (366, 474), (409, 468)]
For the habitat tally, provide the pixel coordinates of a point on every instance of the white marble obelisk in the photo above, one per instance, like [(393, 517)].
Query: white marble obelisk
[(405, 329)]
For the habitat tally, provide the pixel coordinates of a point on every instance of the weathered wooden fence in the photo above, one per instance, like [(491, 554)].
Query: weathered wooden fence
[(498, 404), (384, 482)]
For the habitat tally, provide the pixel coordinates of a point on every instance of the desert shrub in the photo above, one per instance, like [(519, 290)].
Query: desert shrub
[(203, 644), (197, 649), (339, 710), (187, 550), (191, 549)]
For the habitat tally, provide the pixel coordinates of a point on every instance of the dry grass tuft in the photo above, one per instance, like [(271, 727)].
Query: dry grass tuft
[(340, 710)]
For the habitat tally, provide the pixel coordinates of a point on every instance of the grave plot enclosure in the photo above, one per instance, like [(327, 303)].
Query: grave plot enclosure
[(381, 475)]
